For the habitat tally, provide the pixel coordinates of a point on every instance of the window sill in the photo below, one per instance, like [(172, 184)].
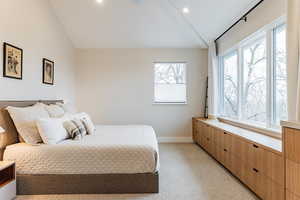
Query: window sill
[(169, 103), (272, 132)]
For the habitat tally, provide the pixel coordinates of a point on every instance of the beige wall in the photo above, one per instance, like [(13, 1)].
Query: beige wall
[(115, 86), (31, 25), (267, 12)]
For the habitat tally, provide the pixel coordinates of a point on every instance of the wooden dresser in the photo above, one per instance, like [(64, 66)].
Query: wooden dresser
[(257, 160), (291, 132)]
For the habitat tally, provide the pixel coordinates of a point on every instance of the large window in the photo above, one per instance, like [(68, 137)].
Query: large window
[(253, 79), (170, 83)]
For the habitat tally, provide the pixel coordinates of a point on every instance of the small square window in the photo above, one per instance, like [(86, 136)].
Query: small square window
[(170, 83)]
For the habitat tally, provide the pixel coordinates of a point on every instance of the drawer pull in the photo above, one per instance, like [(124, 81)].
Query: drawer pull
[(256, 170), (225, 150), (207, 139), (225, 133), (255, 146)]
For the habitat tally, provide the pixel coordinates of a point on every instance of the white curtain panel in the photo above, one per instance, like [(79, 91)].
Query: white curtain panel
[(293, 69), (212, 80)]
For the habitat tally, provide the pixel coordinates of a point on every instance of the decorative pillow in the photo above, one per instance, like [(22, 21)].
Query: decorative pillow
[(25, 121), (52, 130), (75, 129), (55, 111), (81, 126), (67, 107), (87, 122)]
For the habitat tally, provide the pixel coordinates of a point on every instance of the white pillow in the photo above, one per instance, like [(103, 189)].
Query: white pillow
[(52, 130), (54, 110), (25, 121), (68, 107), (85, 118)]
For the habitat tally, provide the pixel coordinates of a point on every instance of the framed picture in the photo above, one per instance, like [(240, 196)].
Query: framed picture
[(12, 61), (48, 71)]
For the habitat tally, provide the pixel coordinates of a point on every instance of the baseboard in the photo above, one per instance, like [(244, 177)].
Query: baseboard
[(175, 140)]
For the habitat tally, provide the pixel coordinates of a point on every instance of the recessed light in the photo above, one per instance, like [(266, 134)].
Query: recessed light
[(185, 10), (99, 1)]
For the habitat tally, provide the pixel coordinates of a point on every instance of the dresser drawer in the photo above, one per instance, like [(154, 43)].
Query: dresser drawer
[(273, 167), (214, 150), (256, 157), (197, 131), (196, 136), (224, 141), (238, 167), (263, 186), (227, 160), (291, 196), (239, 148), (293, 177), (224, 157), (255, 180), (208, 145), (292, 147), (207, 137), (194, 124), (208, 132), (201, 133), (214, 135), (273, 190), (250, 153), (219, 155)]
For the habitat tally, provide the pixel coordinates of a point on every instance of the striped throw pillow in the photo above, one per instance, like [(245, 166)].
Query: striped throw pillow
[(75, 129)]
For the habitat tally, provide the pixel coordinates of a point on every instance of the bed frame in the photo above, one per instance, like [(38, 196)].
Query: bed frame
[(71, 183)]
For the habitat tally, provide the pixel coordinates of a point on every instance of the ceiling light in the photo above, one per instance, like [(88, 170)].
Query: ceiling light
[(185, 10), (99, 1)]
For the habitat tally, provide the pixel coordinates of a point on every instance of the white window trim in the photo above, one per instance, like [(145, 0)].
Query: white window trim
[(186, 84), (266, 31)]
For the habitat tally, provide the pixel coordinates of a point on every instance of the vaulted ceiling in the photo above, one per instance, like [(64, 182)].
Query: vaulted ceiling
[(146, 23)]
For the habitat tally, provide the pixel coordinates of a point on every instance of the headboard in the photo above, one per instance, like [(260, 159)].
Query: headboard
[(10, 136)]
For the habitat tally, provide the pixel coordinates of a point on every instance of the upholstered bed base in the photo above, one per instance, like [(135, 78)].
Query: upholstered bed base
[(87, 184)]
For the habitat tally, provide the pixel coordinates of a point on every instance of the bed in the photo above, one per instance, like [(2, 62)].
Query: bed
[(116, 159)]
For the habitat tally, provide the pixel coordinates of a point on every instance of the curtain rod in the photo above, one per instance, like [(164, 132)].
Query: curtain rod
[(243, 18)]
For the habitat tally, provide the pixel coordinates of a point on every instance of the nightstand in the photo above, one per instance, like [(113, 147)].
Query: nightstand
[(7, 180)]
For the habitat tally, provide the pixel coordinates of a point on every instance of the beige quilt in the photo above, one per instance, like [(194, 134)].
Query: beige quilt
[(110, 150)]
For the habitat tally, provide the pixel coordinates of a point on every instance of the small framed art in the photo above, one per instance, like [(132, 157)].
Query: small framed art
[(12, 61), (48, 71)]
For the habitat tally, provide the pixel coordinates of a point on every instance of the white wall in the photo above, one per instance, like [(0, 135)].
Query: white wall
[(31, 25), (115, 86), (264, 14)]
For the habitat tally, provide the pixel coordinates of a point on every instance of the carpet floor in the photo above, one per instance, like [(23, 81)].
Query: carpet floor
[(186, 173)]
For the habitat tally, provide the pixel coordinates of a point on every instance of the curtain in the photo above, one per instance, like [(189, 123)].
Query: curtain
[(293, 58), (212, 80)]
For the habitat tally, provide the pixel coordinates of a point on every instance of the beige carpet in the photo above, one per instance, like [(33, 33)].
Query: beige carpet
[(187, 173)]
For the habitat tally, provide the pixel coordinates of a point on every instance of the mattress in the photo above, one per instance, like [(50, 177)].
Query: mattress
[(110, 150)]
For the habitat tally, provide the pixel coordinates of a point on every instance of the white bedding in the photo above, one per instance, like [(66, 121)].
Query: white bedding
[(111, 150)]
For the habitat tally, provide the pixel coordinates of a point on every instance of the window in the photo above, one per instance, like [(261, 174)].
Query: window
[(280, 89), (231, 85), (253, 79), (170, 83)]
